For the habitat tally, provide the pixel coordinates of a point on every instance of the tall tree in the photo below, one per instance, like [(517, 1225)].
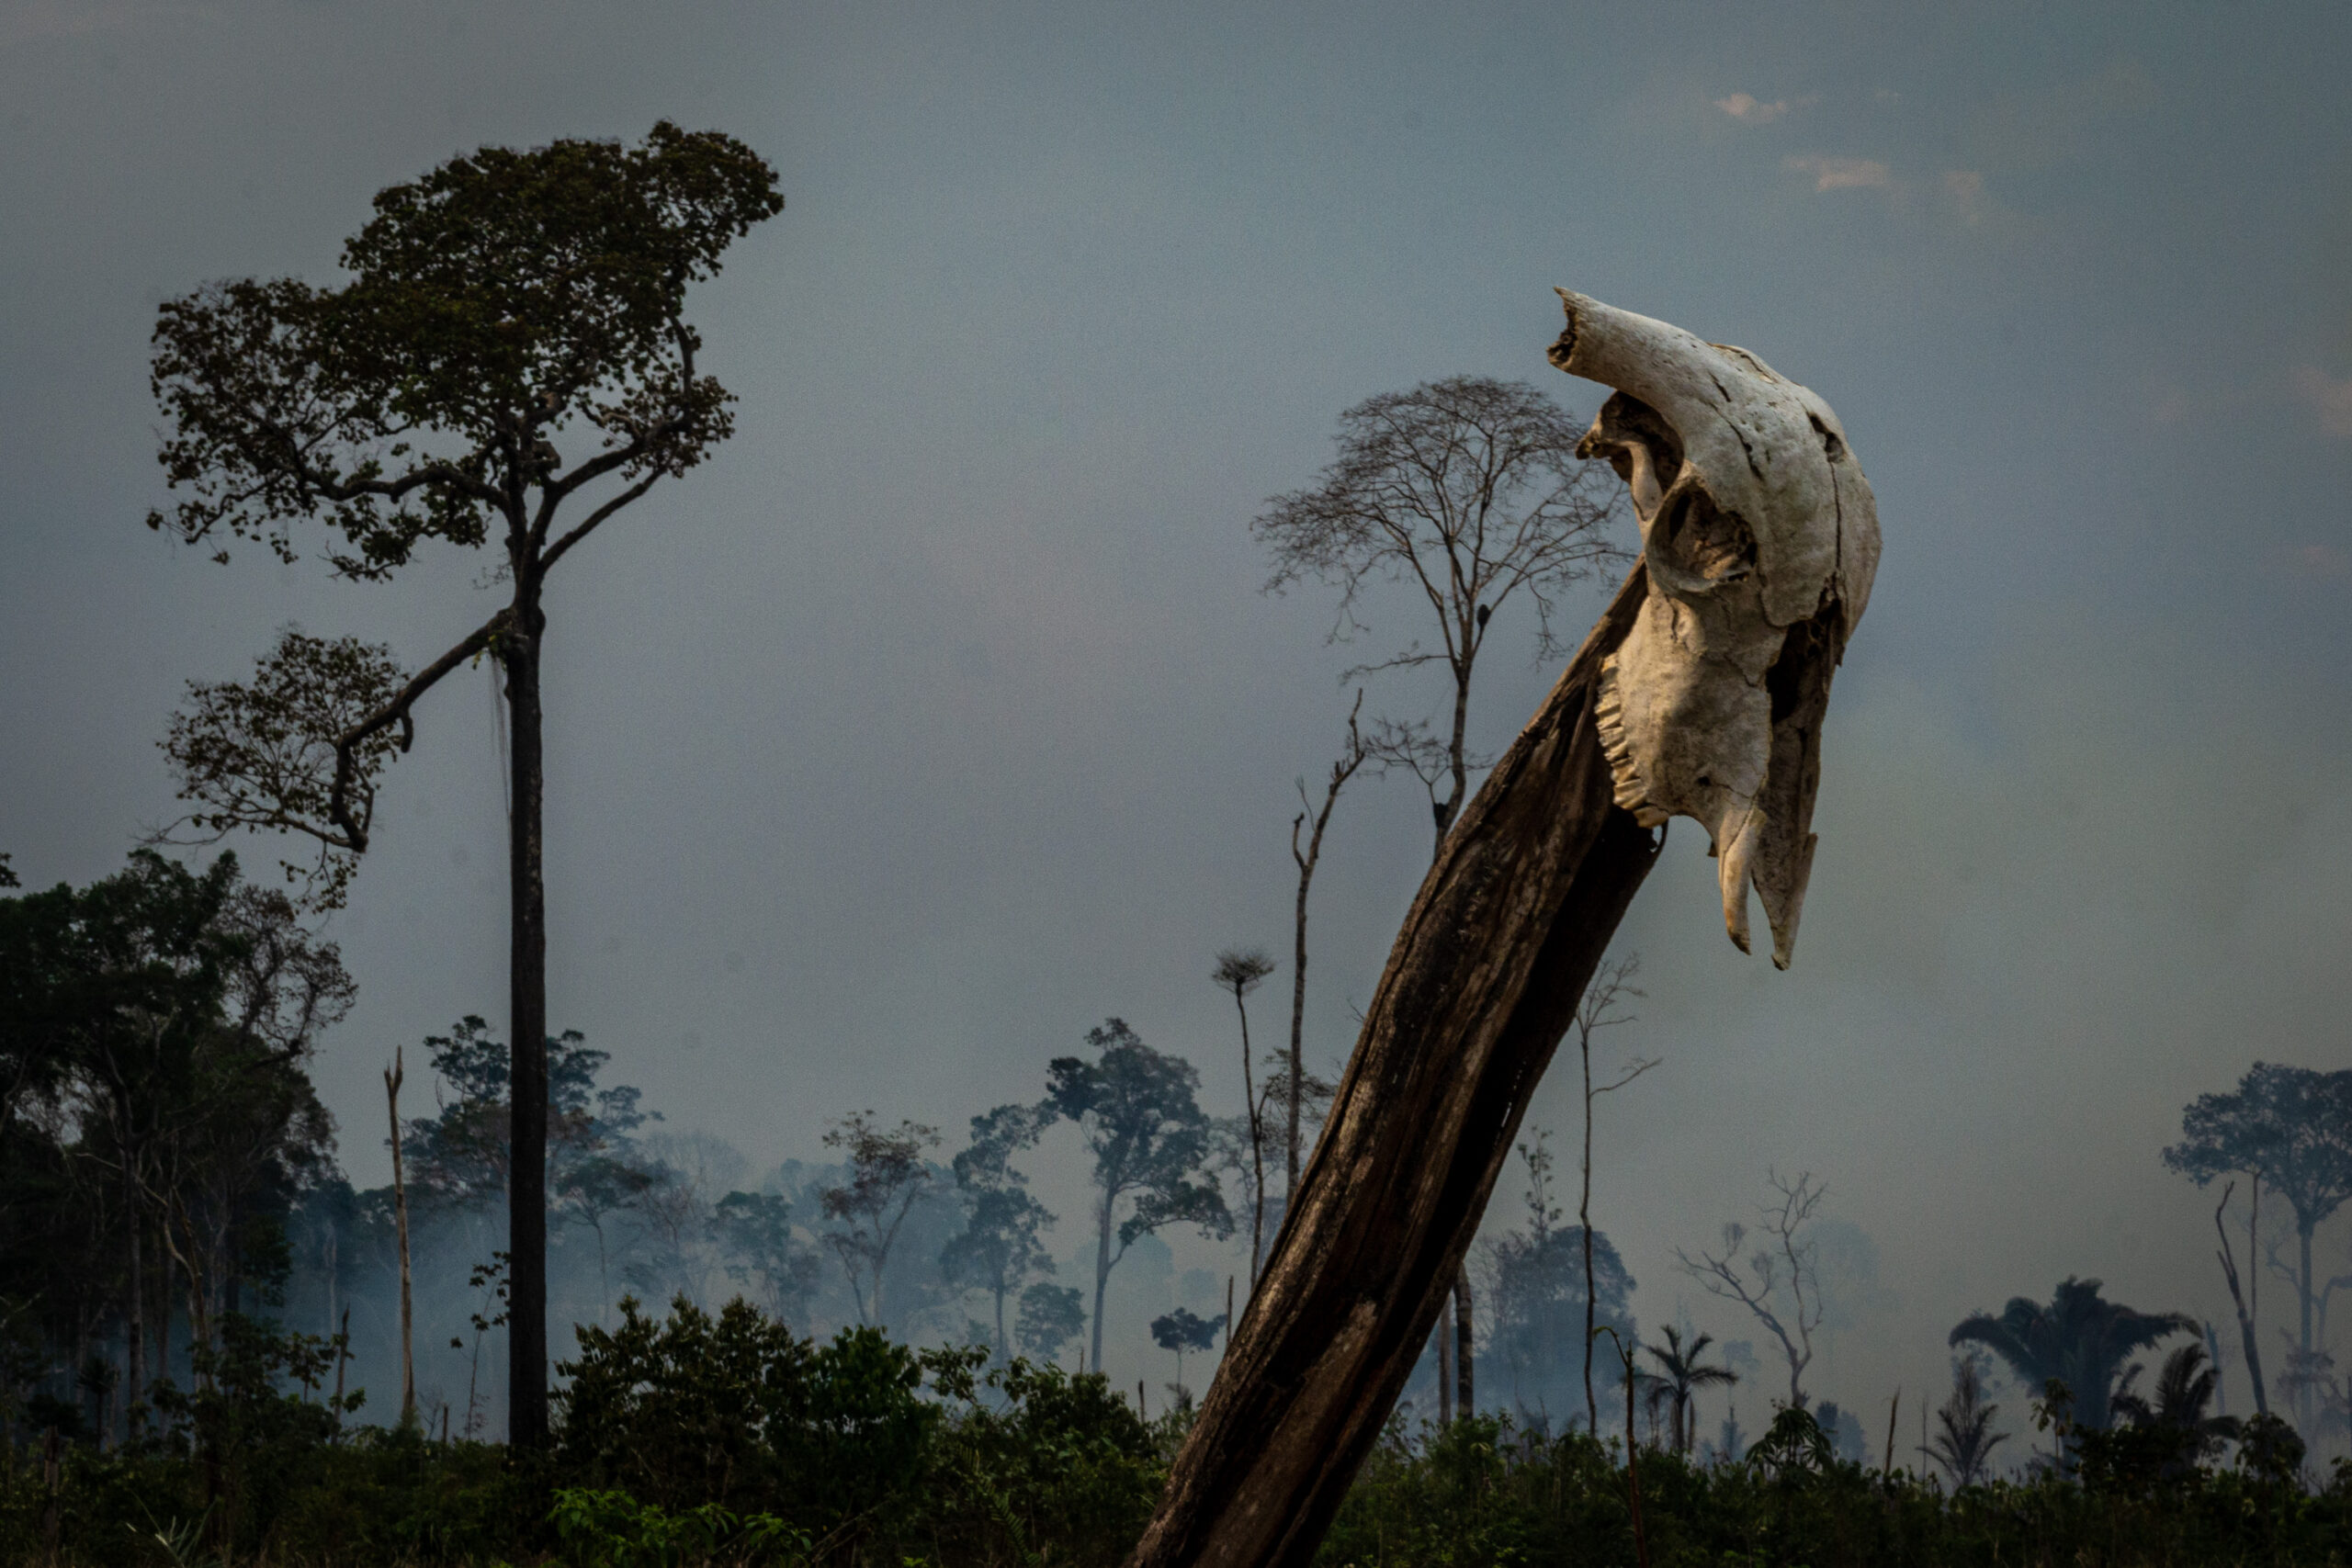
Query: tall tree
[(1353, 756), (888, 1176), (2246, 1296), (1779, 1283), (1601, 1007), (1241, 971), (1468, 492), (2292, 1127), (2079, 1337), (500, 307), (1000, 1247), (1139, 1111)]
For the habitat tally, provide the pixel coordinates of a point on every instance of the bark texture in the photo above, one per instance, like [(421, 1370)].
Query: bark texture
[(1514, 916)]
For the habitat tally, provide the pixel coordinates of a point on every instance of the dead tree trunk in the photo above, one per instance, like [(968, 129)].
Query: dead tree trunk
[(393, 1075), (1510, 924), (1700, 695)]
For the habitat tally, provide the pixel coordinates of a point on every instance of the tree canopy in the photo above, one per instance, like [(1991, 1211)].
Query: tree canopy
[(2079, 1337), (1139, 1111)]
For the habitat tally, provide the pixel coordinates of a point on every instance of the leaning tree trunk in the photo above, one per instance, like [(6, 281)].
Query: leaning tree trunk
[(1700, 693), (1514, 916)]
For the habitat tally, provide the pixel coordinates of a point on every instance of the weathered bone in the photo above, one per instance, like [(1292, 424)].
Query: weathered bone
[(1761, 537)]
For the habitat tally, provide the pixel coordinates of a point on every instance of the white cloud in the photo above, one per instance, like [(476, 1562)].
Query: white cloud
[(1745, 107), (1844, 173), (2330, 398)]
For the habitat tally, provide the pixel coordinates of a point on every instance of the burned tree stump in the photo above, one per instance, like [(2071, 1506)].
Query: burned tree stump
[(1699, 694)]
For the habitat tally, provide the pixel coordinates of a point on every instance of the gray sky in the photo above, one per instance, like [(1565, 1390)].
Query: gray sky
[(941, 717)]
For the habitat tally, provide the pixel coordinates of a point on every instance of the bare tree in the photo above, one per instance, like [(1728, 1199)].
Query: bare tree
[(2246, 1310), (1781, 1282), (393, 1076), (1241, 971), (1601, 1007), (888, 1176), (1468, 490), (1353, 757)]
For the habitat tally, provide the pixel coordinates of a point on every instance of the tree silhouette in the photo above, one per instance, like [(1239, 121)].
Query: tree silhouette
[(1139, 1112), (1781, 1284), (887, 1177), (1184, 1330), (2291, 1129), (1554, 1286), (999, 1248), (164, 1015), (2184, 1392), (2079, 1338), (505, 306), (1681, 1373), (755, 1229), (1964, 1440), (1240, 972), (1050, 1317)]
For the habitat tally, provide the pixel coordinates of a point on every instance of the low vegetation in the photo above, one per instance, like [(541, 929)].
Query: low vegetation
[(725, 1437)]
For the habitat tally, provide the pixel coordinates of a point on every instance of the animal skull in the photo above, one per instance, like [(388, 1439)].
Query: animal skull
[(1760, 538)]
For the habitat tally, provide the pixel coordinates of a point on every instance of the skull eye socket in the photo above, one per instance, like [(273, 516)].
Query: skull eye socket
[(1701, 544)]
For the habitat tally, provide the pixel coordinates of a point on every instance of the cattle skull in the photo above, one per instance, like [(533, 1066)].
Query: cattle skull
[(1760, 538)]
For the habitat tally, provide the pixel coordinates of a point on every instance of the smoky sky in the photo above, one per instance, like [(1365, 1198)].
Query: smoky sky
[(941, 715)]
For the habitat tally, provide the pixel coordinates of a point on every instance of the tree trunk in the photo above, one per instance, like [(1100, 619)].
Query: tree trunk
[(2303, 1390), (400, 1222), (1298, 1016), (526, 1245), (134, 1310), (1102, 1273), (1444, 1370), (1465, 1399), (1481, 984), (1256, 1146), (164, 1311), (1584, 1222)]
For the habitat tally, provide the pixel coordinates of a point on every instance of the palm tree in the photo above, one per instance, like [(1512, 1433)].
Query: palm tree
[(2079, 1338), (1240, 971), (1679, 1376), (1964, 1447), (2184, 1389)]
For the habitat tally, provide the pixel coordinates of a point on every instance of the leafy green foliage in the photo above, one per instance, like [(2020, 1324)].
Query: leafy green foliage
[(612, 1530), (500, 300), (855, 1440)]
